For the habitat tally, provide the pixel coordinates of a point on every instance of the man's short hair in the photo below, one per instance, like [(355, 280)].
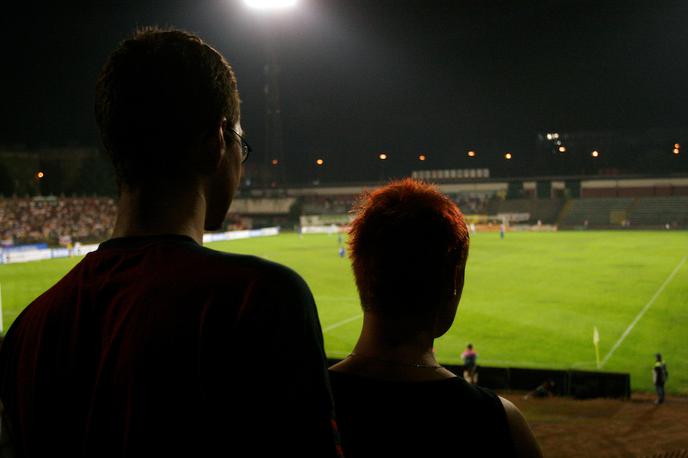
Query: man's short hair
[(158, 92), (405, 242)]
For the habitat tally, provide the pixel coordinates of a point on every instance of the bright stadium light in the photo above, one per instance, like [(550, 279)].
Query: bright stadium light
[(383, 156), (270, 4), (39, 175), (508, 156), (595, 153)]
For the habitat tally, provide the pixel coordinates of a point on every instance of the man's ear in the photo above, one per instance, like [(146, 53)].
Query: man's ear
[(211, 148)]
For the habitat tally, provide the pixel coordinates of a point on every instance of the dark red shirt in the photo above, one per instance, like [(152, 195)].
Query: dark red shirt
[(156, 346)]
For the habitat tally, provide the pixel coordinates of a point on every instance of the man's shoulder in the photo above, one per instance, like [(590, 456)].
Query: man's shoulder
[(260, 269), (176, 255)]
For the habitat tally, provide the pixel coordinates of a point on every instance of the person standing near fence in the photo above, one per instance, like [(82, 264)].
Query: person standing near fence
[(660, 374), (470, 365)]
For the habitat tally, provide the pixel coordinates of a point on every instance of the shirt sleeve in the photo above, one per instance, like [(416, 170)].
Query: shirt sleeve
[(276, 375)]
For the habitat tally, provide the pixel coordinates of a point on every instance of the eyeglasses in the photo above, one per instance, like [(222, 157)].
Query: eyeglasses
[(245, 147)]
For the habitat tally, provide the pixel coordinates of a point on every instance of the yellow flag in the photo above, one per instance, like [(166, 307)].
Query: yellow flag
[(596, 343)]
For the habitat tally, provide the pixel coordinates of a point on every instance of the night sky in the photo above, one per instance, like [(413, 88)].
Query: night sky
[(361, 77)]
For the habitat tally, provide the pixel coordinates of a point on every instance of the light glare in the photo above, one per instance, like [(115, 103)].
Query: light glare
[(270, 4), (383, 156)]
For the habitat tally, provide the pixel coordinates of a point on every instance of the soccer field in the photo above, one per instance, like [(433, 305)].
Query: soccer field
[(530, 300)]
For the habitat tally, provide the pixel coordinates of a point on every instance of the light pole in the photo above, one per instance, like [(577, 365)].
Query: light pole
[(274, 143)]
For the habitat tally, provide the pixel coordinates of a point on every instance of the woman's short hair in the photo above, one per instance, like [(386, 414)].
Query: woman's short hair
[(405, 243)]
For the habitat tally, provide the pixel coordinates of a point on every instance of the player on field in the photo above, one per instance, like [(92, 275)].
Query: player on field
[(154, 346)]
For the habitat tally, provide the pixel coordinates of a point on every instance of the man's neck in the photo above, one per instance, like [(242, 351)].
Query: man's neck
[(141, 212)]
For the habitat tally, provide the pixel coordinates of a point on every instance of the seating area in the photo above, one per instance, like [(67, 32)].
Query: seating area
[(62, 220), (599, 212), (328, 205), (660, 211), (56, 220), (544, 210)]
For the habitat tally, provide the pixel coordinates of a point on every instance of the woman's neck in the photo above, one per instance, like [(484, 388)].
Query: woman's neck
[(377, 354)]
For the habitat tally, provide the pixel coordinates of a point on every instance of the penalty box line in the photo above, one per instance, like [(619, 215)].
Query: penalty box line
[(341, 323), (642, 312)]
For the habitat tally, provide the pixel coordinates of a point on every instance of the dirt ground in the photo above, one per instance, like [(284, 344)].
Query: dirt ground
[(566, 427)]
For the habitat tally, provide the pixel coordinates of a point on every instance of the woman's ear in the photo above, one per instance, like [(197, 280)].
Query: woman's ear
[(459, 274)]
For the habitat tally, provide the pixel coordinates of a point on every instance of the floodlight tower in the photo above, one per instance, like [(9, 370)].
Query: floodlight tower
[(273, 166)]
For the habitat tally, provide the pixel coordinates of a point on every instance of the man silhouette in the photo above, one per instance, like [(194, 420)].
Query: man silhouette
[(154, 345)]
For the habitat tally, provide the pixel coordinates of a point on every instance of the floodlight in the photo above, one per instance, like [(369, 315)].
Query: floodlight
[(319, 162), (382, 156), (562, 149), (270, 4), (508, 156), (421, 157), (471, 154), (595, 153), (676, 151)]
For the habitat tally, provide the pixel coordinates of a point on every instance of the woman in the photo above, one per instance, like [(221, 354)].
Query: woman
[(408, 246)]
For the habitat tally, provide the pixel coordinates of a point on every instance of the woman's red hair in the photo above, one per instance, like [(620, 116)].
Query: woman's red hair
[(406, 242)]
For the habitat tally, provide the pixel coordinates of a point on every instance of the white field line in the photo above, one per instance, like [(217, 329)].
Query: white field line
[(337, 298), (342, 323), (642, 312)]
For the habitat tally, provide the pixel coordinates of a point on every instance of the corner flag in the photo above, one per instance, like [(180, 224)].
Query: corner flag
[(596, 343)]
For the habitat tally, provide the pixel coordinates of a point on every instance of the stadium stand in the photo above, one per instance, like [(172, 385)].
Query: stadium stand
[(660, 211), (327, 205), (56, 220), (601, 212), (60, 220), (543, 210), (472, 204)]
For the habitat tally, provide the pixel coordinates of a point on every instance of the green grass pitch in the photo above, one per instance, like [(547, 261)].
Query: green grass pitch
[(530, 300)]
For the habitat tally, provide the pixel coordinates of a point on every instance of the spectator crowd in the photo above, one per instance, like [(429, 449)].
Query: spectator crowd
[(55, 220)]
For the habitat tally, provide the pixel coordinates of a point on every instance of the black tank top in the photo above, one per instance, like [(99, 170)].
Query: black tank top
[(397, 419)]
